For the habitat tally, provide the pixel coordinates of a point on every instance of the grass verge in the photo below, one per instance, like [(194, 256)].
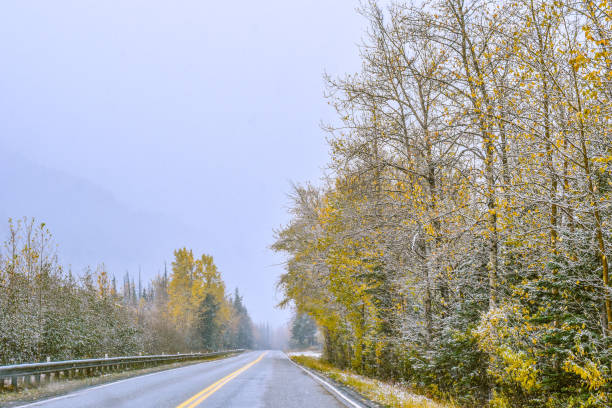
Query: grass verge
[(9, 398), (383, 393)]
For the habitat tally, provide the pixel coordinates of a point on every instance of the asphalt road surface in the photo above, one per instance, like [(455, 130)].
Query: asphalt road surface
[(252, 379)]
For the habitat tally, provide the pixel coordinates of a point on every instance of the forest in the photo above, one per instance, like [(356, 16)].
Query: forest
[(48, 311), (459, 240)]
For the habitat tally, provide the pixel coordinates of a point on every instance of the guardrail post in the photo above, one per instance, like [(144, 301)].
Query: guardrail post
[(39, 373)]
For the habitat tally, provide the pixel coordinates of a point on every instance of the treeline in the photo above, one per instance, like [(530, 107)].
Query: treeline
[(462, 242), (47, 311), (266, 337)]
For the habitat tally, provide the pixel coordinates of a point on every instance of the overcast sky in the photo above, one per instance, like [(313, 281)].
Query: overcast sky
[(168, 124)]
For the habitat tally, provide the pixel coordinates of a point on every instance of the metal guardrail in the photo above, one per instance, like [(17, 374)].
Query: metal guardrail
[(35, 373)]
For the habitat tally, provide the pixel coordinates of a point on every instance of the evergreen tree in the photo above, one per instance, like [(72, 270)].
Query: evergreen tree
[(207, 327), (303, 331), (244, 333)]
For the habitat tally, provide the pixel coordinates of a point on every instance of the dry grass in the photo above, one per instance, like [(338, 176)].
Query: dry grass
[(386, 394)]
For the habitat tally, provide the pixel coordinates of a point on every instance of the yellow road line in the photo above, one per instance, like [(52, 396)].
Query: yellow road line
[(208, 391)]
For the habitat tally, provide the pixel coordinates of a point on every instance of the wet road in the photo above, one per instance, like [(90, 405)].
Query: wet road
[(252, 379)]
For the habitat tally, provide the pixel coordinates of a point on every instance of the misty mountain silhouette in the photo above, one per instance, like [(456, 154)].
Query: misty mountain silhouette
[(87, 222)]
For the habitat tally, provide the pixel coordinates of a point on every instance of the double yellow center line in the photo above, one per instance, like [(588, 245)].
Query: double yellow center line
[(208, 391)]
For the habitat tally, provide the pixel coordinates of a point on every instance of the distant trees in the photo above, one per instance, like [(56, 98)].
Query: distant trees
[(462, 242), (47, 311), (198, 305), (266, 338), (263, 336), (244, 330), (303, 331)]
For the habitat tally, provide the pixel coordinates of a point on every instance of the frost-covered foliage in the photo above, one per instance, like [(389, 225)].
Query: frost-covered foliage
[(462, 241), (46, 311)]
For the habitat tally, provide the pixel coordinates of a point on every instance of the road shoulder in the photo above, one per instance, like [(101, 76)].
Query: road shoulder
[(342, 392), (370, 392)]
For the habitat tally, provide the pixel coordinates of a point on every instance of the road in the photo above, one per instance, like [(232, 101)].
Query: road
[(252, 379)]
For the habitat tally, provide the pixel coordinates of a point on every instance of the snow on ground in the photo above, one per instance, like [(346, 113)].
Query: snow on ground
[(307, 353), (384, 392)]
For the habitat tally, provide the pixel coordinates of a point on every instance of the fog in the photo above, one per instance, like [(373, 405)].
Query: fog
[(136, 127)]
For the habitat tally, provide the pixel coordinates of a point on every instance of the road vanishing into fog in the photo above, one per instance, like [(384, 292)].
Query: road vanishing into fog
[(252, 379)]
